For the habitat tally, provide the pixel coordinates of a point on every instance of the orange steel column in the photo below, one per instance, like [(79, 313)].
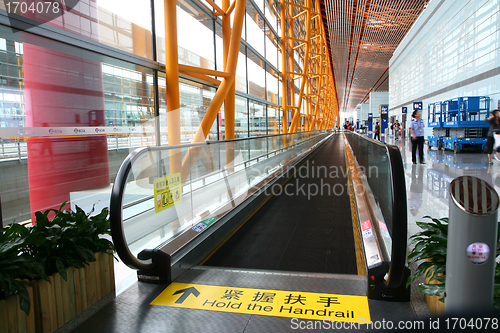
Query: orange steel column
[(296, 116), (291, 69), (229, 103), (172, 79), (284, 81), (224, 88), (232, 60)]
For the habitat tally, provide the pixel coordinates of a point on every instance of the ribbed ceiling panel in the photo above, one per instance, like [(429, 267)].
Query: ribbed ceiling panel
[(363, 36)]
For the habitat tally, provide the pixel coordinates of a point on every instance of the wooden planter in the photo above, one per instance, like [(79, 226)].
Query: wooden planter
[(436, 307), (13, 319), (59, 301)]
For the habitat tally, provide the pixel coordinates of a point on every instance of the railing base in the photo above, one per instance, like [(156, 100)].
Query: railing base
[(378, 291)]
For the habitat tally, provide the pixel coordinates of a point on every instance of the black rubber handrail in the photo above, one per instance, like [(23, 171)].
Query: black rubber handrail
[(399, 213), (397, 266), (117, 192)]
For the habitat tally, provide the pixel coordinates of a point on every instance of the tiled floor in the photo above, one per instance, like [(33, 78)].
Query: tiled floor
[(427, 184)]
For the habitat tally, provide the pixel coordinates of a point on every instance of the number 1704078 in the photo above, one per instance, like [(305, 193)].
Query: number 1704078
[(473, 323), (41, 7)]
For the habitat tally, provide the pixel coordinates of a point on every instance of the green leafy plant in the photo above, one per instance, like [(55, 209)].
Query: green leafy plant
[(430, 248), (16, 265), (69, 239)]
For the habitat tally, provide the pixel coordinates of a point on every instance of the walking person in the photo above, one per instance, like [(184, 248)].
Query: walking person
[(397, 130), (494, 121), (377, 132), (417, 137)]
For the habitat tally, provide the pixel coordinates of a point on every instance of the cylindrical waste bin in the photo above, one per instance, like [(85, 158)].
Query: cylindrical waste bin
[(472, 240)]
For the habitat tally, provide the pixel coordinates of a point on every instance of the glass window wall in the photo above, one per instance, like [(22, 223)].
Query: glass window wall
[(272, 88), (255, 31), (123, 24), (241, 67), (64, 141), (258, 119), (256, 76), (260, 4), (241, 118), (241, 73), (195, 99), (273, 120), (195, 36), (271, 49), (270, 13)]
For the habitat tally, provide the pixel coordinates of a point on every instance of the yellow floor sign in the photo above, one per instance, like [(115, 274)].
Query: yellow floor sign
[(279, 303)]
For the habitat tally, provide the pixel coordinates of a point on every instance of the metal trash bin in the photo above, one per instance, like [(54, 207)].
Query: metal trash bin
[(471, 251)]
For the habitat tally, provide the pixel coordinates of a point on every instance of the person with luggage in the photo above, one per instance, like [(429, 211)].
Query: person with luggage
[(397, 130), (377, 132)]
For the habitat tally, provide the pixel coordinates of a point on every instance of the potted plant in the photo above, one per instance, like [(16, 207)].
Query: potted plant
[(65, 260), (430, 246), (16, 297)]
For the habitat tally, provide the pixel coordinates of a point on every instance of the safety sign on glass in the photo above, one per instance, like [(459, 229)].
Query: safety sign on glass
[(168, 191), (266, 302), (366, 228)]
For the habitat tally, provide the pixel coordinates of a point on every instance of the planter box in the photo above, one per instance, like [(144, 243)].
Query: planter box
[(13, 319), (59, 301), (436, 307)]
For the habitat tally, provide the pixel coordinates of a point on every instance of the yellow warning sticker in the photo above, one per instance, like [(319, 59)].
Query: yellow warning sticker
[(279, 303), (168, 191)]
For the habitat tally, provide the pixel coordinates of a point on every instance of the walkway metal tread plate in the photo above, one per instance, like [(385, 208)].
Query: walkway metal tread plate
[(131, 311), (336, 284)]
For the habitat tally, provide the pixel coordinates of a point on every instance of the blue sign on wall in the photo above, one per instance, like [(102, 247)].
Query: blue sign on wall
[(384, 121), (384, 124), (370, 122), (417, 105), (404, 109)]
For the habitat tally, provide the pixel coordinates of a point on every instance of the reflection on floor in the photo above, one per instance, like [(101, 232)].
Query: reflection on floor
[(427, 184)]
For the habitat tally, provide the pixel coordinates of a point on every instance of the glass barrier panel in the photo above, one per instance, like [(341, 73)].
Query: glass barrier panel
[(374, 163), (160, 201), (156, 204)]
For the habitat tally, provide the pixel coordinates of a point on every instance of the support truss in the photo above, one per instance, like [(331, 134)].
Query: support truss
[(306, 69), (225, 91)]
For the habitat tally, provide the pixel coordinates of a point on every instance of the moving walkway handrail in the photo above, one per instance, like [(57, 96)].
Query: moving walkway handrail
[(399, 213), (117, 193)]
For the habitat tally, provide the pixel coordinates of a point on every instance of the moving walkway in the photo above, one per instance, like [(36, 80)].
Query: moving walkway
[(278, 203)]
